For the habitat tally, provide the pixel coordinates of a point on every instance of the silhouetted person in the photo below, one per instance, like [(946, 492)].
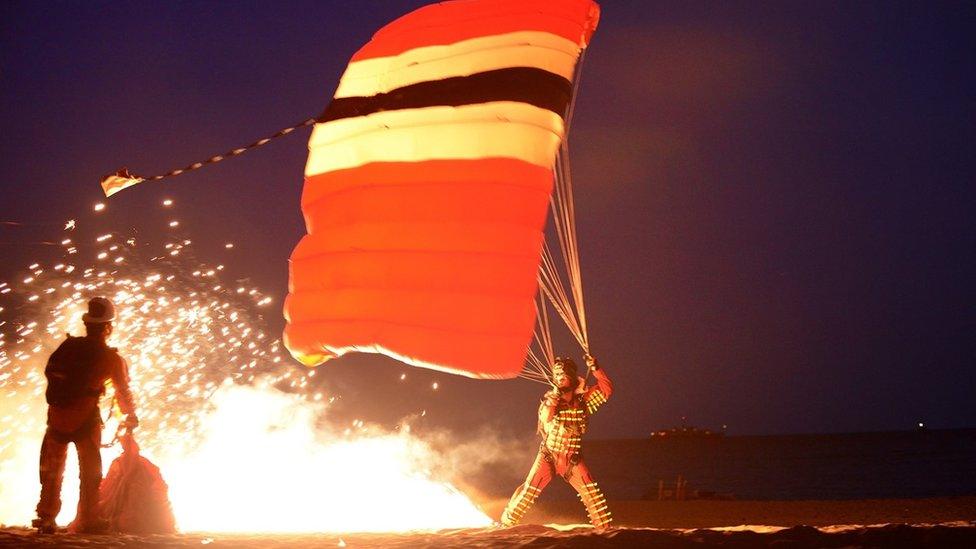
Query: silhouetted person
[(76, 376)]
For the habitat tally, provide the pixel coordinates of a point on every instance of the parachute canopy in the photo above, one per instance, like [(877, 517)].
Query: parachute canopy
[(427, 185)]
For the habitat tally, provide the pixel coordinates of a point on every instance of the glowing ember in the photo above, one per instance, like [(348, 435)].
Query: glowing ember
[(243, 443)]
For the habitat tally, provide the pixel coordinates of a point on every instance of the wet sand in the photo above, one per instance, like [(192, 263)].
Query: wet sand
[(937, 522)]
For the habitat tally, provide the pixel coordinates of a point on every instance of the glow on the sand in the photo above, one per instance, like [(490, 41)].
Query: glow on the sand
[(243, 441)]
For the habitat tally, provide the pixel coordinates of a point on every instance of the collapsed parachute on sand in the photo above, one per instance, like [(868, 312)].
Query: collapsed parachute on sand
[(133, 497), (426, 192)]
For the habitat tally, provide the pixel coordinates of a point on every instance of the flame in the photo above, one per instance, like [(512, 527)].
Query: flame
[(244, 441), (265, 467)]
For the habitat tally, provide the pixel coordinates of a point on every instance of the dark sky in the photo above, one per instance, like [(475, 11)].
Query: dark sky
[(775, 198)]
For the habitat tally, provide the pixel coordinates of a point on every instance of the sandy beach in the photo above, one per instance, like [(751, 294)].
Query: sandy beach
[(936, 522), (712, 514)]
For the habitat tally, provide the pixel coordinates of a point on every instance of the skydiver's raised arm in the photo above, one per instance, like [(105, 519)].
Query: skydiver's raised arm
[(596, 395)]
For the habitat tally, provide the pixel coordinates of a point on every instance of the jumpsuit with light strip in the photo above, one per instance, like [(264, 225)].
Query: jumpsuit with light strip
[(561, 454)]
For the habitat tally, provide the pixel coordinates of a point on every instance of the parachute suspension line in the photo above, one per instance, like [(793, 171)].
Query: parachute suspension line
[(577, 74), (122, 179), (529, 377), (564, 212), (569, 304), (551, 285), (544, 334), (534, 365), (567, 203), (540, 355)]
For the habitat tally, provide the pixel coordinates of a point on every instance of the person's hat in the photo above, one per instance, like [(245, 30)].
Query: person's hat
[(100, 311)]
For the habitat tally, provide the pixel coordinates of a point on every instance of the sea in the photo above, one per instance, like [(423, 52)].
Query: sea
[(910, 464)]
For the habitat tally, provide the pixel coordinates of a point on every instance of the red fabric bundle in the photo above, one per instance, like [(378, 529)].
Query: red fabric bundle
[(133, 497)]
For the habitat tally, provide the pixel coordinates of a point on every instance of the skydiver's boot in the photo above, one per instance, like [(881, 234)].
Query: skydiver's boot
[(596, 506), (521, 501)]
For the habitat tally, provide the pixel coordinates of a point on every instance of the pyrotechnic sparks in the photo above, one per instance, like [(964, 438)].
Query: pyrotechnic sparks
[(219, 407), (182, 340)]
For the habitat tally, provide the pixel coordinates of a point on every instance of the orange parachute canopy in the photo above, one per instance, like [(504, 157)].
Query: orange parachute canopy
[(427, 184)]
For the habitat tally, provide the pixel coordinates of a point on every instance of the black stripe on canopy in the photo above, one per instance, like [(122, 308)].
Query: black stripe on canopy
[(523, 84)]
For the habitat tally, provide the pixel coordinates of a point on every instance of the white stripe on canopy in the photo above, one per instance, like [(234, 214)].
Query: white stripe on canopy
[(506, 129), (536, 49)]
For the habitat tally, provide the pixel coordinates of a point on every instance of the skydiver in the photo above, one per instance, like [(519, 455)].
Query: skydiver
[(76, 374), (563, 417)]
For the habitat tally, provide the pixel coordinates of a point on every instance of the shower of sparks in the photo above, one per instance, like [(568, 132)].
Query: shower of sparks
[(182, 336), (219, 404)]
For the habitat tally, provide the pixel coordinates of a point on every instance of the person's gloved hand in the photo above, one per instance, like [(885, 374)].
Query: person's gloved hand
[(591, 362)]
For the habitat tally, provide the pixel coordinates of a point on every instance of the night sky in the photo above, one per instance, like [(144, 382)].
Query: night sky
[(774, 199)]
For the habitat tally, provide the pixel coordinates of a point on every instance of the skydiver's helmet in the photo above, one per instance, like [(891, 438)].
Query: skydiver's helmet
[(569, 368)]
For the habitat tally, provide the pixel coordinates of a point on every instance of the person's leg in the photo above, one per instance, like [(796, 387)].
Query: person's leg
[(90, 475), (525, 495), (54, 452), (596, 504)]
